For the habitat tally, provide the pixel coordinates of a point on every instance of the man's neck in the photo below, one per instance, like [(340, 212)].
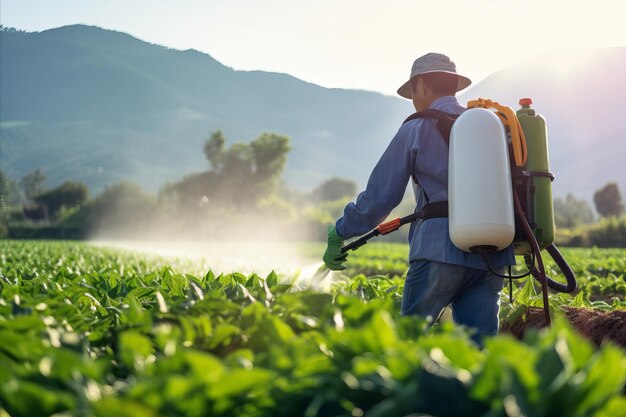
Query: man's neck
[(427, 102)]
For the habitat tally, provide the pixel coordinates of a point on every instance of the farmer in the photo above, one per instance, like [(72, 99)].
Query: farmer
[(439, 274)]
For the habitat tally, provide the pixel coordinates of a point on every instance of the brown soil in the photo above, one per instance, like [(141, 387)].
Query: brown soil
[(593, 324)]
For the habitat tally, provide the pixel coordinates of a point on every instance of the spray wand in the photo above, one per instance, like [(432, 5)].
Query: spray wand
[(430, 211), (382, 229)]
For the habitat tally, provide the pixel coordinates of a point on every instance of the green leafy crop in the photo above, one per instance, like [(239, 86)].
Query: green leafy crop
[(86, 331)]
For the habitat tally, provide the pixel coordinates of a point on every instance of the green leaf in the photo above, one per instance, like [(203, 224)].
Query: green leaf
[(204, 366), (20, 346), (272, 279), (506, 355), (606, 376), (460, 354), (614, 407), (116, 407), (26, 398), (135, 315), (383, 326), (223, 334), (22, 323), (240, 382), (550, 366), (135, 350)]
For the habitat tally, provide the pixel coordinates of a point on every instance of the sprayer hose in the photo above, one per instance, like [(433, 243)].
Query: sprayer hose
[(570, 278), (535, 248)]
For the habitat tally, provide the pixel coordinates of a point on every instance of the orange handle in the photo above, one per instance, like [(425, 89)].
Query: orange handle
[(389, 226)]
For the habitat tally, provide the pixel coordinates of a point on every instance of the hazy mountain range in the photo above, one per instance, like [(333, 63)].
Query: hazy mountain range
[(100, 106)]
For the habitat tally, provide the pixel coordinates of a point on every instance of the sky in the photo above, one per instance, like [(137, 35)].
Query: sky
[(362, 44)]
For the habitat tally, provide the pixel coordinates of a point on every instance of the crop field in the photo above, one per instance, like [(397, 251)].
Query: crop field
[(94, 331)]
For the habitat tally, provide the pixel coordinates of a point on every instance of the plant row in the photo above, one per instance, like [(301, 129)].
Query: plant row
[(102, 333)]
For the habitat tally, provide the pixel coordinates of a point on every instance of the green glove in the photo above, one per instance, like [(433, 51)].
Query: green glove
[(333, 258)]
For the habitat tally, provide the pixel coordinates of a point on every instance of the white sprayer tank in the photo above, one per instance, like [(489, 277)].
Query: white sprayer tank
[(480, 195)]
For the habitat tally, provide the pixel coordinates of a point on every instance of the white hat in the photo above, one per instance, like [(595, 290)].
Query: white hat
[(432, 62)]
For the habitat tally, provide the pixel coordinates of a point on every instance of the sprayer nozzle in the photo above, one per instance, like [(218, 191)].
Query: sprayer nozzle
[(322, 272)]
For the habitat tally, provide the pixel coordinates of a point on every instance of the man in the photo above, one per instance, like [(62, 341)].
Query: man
[(439, 274)]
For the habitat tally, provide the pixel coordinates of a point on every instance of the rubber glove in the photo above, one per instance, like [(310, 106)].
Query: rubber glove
[(333, 258)]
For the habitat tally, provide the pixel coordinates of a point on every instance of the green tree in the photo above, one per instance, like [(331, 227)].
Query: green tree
[(69, 194), (334, 189), (9, 192), (571, 212), (269, 153), (608, 200), (9, 29), (214, 150), (239, 176), (185, 196), (10, 212), (32, 183)]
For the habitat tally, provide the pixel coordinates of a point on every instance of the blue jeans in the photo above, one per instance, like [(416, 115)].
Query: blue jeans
[(473, 293)]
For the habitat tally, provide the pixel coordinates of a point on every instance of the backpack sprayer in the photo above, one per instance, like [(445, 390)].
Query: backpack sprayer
[(499, 189)]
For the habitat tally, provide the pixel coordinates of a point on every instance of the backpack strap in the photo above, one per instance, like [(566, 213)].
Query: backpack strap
[(444, 121), (444, 125)]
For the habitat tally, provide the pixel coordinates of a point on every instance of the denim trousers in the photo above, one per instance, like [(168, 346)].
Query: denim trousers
[(473, 294)]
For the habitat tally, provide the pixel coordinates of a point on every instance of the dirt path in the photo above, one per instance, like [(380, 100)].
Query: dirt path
[(593, 324)]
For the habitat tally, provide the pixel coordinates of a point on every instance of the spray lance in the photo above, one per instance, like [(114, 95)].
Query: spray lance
[(432, 210), (499, 189)]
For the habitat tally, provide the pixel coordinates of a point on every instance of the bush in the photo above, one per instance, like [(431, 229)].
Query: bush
[(608, 233), (575, 238), (334, 189), (46, 232), (9, 217), (121, 209), (69, 194), (571, 212)]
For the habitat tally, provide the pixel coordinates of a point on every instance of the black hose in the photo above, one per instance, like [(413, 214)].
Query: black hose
[(570, 285), (567, 288), (534, 245), (511, 276)]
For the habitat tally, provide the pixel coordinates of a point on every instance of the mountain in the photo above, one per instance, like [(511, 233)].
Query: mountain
[(100, 106), (582, 94)]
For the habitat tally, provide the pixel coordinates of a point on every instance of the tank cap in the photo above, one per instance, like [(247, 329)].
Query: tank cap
[(527, 101)]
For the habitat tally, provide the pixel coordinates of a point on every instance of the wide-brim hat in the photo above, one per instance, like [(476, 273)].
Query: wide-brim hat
[(429, 63)]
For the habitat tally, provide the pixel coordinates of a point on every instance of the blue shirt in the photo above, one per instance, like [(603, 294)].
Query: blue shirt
[(417, 149)]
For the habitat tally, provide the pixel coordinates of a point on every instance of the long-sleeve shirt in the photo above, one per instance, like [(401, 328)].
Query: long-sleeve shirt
[(416, 150)]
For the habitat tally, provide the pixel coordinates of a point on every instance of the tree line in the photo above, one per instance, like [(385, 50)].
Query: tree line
[(570, 212), (241, 190), (240, 193)]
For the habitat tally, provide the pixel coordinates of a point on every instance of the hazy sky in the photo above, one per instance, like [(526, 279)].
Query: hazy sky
[(362, 44)]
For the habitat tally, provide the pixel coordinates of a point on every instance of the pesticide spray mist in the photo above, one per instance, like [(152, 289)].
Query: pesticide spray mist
[(196, 238), (293, 262)]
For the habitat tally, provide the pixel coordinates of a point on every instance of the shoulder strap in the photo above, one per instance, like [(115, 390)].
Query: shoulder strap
[(444, 125), (444, 121)]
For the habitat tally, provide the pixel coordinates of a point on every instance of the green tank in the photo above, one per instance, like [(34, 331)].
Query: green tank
[(538, 199)]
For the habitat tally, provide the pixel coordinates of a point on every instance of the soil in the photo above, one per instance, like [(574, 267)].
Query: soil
[(597, 326)]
